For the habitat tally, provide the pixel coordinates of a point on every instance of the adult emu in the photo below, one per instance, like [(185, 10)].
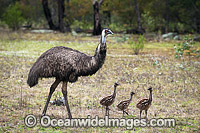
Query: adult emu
[(66, 65)]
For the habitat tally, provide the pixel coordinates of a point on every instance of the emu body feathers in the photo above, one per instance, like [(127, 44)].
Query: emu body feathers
[(66, 64)]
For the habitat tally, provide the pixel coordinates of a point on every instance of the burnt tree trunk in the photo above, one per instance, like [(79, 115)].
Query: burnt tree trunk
[(97, 20), (167, 16), (48, 14), (61, 9), (140, 29)]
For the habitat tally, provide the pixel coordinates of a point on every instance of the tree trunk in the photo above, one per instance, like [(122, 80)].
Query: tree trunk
[(48, 15), (167, 16), (61, 9), (68, 15), (140, 30), (97, 21)]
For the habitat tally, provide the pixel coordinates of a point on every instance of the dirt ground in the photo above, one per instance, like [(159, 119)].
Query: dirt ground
[(175, 83)]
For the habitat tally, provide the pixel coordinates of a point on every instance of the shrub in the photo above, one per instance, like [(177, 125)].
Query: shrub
[(13, 17), (138, 45), (185, 47)]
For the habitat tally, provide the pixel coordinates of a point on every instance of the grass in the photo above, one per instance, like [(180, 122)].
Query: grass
[(175, 82)]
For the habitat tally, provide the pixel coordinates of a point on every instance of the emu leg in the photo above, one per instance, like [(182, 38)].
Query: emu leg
[(64, 91), (52, 89), (140, 113), (126, 112), (123, 113), (106, 110), (146, 114)]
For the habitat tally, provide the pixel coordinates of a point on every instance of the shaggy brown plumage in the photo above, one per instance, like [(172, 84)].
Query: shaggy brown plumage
[(109, 100), (66, 65), (144, 104)]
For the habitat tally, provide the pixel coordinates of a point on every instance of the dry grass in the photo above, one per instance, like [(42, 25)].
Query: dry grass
[(175, 83)]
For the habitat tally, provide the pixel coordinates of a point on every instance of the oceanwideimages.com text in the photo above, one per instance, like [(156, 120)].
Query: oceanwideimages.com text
[(128, 123)]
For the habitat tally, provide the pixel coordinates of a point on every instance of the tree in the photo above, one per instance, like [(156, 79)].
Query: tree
[(31, 11), (4, 5), (13, 16), (48, 15), (167, 16), (97, 19), (68, 29), (61, 9), (140, 30)]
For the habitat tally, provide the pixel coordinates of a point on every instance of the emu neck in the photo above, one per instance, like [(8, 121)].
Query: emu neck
[(150, 96), (92, 64), (100, 52), (103, 39), (95, 62), (130, 98), (114, 93)]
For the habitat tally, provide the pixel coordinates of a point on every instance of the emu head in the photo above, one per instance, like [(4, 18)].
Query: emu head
[(132, 93), (150, 89), (116, 84), (106, 32)]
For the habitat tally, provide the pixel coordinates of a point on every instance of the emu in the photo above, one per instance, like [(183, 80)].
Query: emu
[(109, 100), (145, 104), (123, 105), (66, 65)]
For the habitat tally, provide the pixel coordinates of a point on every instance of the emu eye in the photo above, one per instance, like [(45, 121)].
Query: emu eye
[(106, 31)]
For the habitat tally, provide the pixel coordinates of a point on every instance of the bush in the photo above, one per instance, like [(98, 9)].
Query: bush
[(185, 47), (13, 17), (138, 45)]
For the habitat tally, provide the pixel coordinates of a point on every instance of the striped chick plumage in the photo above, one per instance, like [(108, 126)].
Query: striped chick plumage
[(109, 100), (123, 105), (145, 104)]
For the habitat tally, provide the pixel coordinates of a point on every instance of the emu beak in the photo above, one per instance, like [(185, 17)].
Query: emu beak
[(110, 32)]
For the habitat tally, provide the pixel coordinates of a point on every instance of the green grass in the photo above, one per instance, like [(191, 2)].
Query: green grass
[(175, 95)]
